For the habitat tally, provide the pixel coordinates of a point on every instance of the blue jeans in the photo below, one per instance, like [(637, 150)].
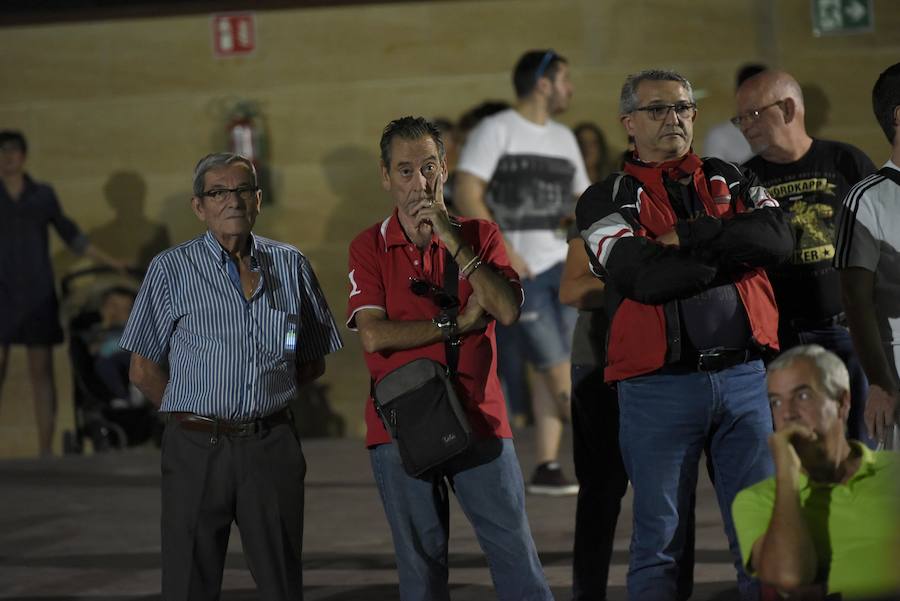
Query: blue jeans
[(666, 420), (488, 484), (546, 325), (837, 340)]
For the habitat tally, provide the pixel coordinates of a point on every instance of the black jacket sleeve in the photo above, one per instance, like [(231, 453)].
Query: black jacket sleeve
[(639, 268), (758, 237)]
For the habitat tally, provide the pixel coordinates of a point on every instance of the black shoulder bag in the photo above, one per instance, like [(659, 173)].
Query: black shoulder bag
[(418, 402)]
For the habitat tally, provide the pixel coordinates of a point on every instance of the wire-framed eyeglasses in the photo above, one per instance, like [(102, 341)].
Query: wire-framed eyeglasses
[(658, 112), (243, 192), (749, 116)]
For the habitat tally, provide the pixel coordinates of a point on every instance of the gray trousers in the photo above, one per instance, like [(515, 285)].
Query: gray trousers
[(207, 483)]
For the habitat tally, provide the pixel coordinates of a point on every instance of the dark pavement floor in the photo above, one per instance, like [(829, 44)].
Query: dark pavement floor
[(87, 527)]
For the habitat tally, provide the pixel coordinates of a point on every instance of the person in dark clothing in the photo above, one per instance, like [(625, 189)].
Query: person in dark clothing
[(682, 245), (866, 255), (28, 304), (809, 178), (595, 429)]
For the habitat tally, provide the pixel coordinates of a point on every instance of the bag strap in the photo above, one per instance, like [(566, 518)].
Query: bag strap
[(891, 174), (451, 287)]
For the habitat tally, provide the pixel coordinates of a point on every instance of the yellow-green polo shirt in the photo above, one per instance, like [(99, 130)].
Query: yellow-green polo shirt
[(854, 526)]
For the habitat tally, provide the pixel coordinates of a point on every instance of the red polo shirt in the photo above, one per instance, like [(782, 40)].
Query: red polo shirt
[(382, 261)]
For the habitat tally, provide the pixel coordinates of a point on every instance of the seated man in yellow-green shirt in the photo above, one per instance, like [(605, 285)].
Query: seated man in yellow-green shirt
[(827, 522)]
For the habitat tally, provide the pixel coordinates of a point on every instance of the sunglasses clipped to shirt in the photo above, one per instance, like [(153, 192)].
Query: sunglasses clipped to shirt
[(441, 297)]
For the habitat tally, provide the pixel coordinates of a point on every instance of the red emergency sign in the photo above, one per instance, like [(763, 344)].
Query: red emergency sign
[(234, 34)]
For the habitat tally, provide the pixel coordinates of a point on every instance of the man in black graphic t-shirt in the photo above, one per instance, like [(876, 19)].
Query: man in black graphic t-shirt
[(809, 178)]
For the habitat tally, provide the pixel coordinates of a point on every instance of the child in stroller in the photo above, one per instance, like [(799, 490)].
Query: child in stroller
[(108, 409), (110, 361)]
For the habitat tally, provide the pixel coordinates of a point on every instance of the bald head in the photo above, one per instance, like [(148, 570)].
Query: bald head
[(772, 85), (771, 111)]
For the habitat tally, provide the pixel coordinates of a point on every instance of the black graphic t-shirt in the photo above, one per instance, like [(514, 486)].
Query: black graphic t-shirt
[(810, 191)]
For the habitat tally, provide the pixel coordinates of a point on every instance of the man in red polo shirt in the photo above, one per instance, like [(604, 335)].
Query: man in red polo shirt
[(396, 325)]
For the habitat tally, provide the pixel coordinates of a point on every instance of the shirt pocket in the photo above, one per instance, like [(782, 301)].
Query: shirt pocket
[(279, 335)]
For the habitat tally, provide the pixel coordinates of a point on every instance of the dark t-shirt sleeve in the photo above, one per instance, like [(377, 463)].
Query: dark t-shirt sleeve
[(64, 226)]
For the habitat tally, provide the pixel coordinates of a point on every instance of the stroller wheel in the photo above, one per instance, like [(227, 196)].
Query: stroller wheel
[(108, 436), (71, 444)]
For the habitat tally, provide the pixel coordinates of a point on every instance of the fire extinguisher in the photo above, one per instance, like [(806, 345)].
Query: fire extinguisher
[(244, 132), (246, 137)]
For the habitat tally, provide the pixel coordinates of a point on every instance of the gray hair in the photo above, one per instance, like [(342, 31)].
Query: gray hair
[(218, 160), (628, 100), (833, 375)]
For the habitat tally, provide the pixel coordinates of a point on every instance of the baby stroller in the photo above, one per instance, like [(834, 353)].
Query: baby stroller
[(102, 416)]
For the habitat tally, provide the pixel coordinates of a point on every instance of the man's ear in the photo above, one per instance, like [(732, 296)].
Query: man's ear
[(543, 86), (844, 406), (444, 173), (385, 177), (197, 206), (789, 110), (626, 121)]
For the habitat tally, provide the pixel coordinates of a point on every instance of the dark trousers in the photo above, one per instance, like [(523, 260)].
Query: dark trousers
[(837, 339), (209, 482), (601, 477)]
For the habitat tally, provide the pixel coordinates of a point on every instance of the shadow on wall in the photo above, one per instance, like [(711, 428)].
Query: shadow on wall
[(130, 235), (818, 108), (179, 217), (353, 174)]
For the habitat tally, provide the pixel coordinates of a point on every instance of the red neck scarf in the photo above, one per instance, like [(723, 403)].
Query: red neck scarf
[(659, 217), (674, 170)]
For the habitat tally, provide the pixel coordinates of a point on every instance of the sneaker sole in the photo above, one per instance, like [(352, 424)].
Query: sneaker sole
[(552, 491)]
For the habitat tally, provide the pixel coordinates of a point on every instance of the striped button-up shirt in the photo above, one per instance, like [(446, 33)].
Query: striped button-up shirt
[(227, 356)]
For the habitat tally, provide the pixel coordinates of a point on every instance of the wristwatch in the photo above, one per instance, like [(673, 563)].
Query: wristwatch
[(446, 325)]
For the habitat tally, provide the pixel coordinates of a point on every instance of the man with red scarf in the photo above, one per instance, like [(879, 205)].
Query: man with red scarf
[(682, 244)]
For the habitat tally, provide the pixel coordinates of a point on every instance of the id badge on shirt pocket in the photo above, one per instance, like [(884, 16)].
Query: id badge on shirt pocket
[(289, 344)]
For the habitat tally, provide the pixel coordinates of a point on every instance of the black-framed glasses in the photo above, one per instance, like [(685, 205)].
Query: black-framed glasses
[(658, 112), (753, 115), (243, 192), (545, 62), (443, 299)]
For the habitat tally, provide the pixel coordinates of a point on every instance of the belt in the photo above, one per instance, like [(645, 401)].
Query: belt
[(710, 360), (811, 324), (719, 359), (216, 426)]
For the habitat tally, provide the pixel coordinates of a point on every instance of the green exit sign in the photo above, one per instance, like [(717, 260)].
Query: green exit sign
[(842, 16)]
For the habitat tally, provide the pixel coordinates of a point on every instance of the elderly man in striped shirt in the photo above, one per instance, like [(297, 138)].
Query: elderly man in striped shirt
[(224, 330)]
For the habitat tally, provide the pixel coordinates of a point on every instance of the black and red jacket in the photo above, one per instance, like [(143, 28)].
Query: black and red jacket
[(742, 232)]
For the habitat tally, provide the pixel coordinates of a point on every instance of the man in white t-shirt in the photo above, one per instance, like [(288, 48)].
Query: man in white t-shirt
[(523, 170), (867, 254)]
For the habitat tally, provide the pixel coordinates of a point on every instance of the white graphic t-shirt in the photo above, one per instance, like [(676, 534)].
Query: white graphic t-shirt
[(535, 173)]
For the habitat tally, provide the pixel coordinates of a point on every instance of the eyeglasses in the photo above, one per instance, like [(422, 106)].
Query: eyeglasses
[(658, 112), (443, 299), (753, 115), (545, 62), (243, 192)]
